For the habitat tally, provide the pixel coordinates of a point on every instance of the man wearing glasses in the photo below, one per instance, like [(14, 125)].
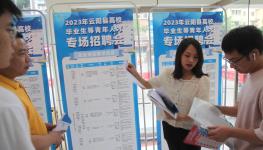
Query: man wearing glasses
[(14, 129), (243, 48)]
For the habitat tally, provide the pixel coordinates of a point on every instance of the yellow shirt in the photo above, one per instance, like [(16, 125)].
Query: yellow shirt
[(36, 123)]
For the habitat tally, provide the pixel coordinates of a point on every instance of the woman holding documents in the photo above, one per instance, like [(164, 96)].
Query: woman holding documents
[(181, 83)]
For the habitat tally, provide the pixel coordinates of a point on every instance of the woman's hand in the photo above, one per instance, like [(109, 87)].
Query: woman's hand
[(130, 67), (168, 116), (181, 117), (142, 83)]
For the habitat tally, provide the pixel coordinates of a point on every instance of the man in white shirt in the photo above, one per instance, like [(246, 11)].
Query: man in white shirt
[(243, 48), (14, 127)]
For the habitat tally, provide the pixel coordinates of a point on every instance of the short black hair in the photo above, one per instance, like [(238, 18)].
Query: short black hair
[(9, 6), (197, 70), (243, 40), (19, 35)]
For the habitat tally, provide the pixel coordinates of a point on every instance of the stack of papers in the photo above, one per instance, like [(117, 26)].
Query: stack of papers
[(163, 102)]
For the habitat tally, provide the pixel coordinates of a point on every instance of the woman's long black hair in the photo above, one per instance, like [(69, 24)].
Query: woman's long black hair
[(197, 70)]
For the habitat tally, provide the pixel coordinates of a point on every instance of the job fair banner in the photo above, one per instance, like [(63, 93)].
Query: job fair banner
[(35, 80), (93, 48), (170, 28)]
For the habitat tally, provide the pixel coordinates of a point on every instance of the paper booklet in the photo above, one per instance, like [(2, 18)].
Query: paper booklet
[(162, 101), (199, 136), (205, 115)]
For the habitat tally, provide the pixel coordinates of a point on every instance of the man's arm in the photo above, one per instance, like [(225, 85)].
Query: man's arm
[(245, 134), (228, 110), (221, 133), (42, 142)]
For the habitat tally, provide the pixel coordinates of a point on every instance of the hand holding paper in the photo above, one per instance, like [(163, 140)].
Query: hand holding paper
[(199, 136), (63, 123), (218, 133), (50, 127), (181, 117), (205, 114)]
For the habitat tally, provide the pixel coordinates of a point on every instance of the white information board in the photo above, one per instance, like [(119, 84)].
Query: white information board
[(100, 102)]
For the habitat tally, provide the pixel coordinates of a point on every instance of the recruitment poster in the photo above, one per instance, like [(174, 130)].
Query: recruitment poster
[(93, 48), (170, 28), (35, 80)]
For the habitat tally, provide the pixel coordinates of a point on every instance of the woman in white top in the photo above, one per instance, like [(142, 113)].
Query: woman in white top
[(181, 84)]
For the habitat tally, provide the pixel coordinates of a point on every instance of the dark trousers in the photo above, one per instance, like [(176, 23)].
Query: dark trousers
[(175, 138)]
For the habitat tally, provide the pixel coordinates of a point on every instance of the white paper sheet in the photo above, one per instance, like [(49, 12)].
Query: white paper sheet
[(207, 114)]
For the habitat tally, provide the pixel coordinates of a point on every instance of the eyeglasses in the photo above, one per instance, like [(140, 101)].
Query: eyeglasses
[(235, 62)]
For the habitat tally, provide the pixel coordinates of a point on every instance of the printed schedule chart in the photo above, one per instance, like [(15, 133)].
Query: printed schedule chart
[(93, 48), (100, 102)]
